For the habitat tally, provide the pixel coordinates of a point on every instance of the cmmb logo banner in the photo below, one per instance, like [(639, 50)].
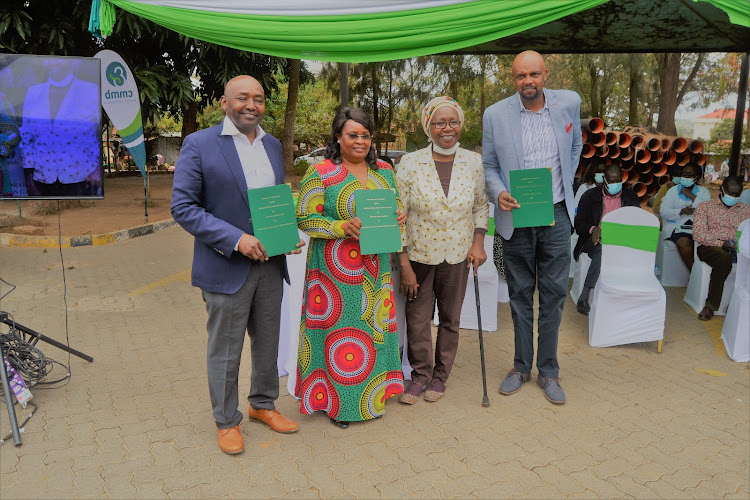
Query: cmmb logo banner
[(122, 104)]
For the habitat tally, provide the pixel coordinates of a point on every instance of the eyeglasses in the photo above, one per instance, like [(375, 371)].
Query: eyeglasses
[(364, 137), (442, 125)]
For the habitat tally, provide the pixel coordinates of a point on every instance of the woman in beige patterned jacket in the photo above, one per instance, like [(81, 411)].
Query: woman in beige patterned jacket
[(444, 195)]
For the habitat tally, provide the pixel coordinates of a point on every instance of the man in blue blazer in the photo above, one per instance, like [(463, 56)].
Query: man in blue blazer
[(241, 285), (536, 127)]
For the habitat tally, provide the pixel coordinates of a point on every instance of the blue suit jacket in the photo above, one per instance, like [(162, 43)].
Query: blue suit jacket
[(209, 200), (502, 147)]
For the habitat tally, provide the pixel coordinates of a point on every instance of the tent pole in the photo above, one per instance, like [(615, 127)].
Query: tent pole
[(734, 158), (344, 80)]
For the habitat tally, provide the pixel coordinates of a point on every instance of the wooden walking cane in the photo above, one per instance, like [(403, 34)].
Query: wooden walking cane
[(485, 400)]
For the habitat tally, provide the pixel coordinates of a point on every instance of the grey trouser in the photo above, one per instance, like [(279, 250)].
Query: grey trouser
[(595, 254), (256, 309), (538, 257)]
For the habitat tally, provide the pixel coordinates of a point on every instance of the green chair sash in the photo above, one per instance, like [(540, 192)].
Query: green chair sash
[(636, 237)]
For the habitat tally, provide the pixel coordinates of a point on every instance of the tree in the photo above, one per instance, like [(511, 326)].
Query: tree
[(175, 74), (724, 131), (287, 142), (674, 85)]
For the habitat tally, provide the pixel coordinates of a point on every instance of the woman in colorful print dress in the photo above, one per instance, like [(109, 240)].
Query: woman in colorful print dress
[(349, 360)]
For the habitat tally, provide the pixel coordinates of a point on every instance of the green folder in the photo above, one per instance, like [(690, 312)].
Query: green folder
[(532, 189), (274, 220), (376, 208)]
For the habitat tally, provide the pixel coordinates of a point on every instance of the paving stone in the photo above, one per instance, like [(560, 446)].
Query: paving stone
[(325, 483), (499, 489), (602, 488), (138, 420), (563, 482)]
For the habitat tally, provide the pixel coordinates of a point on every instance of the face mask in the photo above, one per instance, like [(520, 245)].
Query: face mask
[(599, 177), (614, 188), (729, 201), (677, 180), (687, 181)]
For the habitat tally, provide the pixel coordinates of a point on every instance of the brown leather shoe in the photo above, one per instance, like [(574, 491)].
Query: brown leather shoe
[(274, 420), (230, 440)]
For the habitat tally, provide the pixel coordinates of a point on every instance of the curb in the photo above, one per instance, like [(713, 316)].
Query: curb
[(19, 240)]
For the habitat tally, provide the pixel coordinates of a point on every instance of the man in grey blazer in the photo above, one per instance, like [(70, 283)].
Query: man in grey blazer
[(536, 127), (241, 285)]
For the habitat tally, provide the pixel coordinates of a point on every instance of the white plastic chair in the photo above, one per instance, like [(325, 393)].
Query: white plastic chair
[(736, 330), (628, 304), (579, 275), (697, 289), (672, 270)]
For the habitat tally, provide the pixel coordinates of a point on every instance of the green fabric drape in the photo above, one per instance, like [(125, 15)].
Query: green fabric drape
[(358, 38), (737, 10)]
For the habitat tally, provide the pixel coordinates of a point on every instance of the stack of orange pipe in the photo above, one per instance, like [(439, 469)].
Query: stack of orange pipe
[(651, 154)]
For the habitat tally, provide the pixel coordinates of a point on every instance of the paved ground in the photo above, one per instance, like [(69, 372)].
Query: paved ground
[(137, 422)]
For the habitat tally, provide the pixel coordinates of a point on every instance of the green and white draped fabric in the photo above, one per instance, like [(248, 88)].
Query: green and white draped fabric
[(342, 30), (351, 31)]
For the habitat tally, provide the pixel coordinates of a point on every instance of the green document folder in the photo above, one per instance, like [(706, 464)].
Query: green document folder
[(532, 189), (376, 208), (273, 217)]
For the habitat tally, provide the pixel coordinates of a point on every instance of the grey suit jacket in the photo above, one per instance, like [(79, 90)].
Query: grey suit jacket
[(502, 147)]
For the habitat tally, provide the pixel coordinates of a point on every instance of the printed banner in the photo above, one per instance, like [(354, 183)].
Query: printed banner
[(122, 104)]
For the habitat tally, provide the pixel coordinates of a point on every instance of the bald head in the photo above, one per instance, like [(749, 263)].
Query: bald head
[(244, 102), (237, 83), (528, 57), (530, 76)]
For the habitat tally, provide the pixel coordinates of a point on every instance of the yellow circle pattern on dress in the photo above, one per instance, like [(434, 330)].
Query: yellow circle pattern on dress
[(368, 300), (305, 353), (372, 402), (345, 200)]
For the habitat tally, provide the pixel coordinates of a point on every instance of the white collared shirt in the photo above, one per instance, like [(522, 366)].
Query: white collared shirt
[(540, 145), (253, 157)]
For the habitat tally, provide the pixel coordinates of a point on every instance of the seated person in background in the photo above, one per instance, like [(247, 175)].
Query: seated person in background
[(715, 231), (745, 197), (675, 171), (677, 208), (593, 177), (595, 204)]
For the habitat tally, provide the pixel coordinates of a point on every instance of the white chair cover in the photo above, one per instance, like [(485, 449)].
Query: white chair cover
[(579, 275), (672, 270), (291, 311), (697, 289), (400, 317), (628, 304), (573, 241), (736, 330), (488, 294)]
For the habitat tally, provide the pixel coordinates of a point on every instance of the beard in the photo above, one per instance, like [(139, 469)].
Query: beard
[(531, 97)]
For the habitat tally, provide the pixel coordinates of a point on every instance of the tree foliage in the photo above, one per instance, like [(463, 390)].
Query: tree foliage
[(176, 75)]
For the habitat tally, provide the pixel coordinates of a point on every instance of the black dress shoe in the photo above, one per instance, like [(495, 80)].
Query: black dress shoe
[(339, 423)]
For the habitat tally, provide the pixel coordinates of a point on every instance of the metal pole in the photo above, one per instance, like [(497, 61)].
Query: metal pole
[(9, 400), (344, 81), (734, 158)]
